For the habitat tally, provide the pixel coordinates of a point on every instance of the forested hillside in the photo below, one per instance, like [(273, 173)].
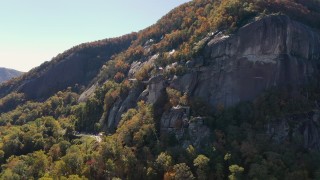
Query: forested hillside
[(216, 89)]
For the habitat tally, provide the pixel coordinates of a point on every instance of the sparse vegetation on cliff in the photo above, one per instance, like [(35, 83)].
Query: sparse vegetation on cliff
[(48, 137)]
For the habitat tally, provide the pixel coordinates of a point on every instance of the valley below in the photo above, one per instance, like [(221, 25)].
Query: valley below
[(213, 90)]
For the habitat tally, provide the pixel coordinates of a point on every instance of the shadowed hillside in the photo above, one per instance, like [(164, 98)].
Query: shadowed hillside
[(216, 89), (7, 74)]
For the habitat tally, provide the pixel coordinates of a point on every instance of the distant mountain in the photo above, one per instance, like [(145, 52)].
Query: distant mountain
[(6, 74), (214, 90)]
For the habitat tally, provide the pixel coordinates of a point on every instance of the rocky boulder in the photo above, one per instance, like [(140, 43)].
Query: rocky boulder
[(122, 105), (156, 89), (302, 129), (188, 130)]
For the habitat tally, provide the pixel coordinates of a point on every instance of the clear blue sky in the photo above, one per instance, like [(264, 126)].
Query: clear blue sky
[(34, 31)]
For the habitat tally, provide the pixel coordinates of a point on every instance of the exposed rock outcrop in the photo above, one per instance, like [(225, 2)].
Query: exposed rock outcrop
[(188, 130), (175, 119), (272, 52), (122, 105), (303, 129), (156, 89), (87, 93)]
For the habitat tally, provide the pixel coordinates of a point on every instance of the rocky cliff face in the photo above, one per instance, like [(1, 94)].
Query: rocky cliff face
[(184, 90), (302, 129), (188, 130), (272, 52), (122, 105)]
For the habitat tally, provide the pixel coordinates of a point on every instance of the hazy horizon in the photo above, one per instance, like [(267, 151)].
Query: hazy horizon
[(35, 32)]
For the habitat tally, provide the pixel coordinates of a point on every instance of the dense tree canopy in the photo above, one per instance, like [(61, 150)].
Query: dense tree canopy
[(57, 138)]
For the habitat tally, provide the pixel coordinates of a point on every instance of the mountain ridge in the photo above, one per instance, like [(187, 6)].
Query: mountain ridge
[(150, 32), (213, 90), (7, 74), (41, 73)]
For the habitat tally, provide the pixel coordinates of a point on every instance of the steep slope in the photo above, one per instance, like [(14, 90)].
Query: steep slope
[(77, 66), (272, 52), (7, 74), (213, 90)]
